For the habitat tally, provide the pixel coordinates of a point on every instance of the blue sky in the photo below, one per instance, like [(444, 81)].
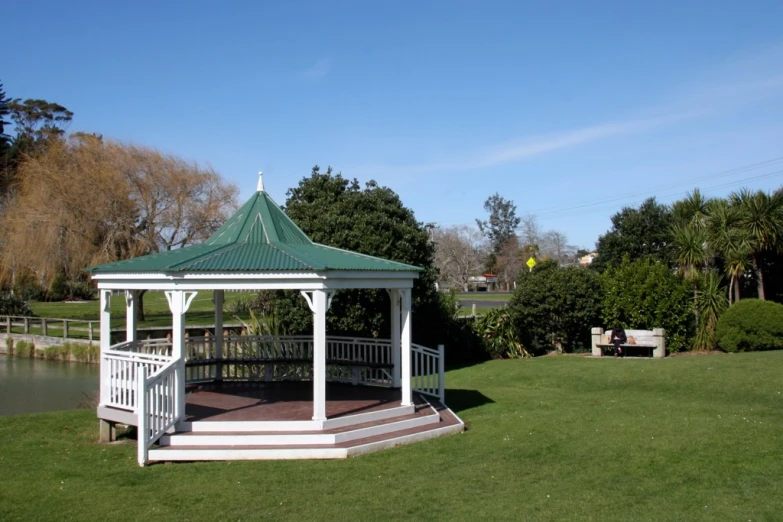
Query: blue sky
[(570, 109)]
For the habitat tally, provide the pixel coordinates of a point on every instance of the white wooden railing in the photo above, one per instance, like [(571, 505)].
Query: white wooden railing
[(264, 358), (271, 358), (122, 367), (427, 369), (157, 410)]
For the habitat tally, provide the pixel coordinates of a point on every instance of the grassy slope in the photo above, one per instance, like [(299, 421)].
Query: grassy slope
[(155, 307), (554, 438), (483, 296)]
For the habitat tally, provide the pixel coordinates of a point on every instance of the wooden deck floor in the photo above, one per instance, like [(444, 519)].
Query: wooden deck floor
[(283, 401)]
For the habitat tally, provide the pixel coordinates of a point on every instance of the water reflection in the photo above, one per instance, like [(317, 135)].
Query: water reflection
[(35, 385)]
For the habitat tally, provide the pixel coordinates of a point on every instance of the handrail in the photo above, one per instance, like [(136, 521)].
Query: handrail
[(45, 323), (157, 410), (428, 368)]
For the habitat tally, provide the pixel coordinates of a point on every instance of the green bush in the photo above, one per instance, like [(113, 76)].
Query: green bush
[(500, 338), (240, 306), (54, 353), (553, 308), (751, 325), (24, 349), (13, 305), (85, 353), (645, 294)]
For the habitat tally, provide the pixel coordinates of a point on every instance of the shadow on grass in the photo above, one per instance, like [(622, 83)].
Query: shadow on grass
[(461, 400)]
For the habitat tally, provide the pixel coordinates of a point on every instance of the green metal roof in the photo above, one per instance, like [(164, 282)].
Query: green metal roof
[(259, 237)]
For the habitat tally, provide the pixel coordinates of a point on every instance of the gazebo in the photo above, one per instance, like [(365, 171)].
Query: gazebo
[(225, 396)]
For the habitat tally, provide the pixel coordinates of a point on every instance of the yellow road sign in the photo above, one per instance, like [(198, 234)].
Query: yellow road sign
[(531, 263)]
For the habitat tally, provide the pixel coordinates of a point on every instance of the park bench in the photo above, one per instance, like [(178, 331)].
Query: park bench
[(650, 342)]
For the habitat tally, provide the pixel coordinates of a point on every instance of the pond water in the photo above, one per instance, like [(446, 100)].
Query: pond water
[(36, 385)]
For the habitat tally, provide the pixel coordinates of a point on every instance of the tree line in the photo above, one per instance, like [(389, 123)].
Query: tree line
[(71, 201), (679, 266), (499, 244)]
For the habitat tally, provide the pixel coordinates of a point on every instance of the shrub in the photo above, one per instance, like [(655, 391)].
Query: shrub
[(241, 306), (553, 308), (645, 294), (500, 338), (13, 305), (53, 353), (9, 345), (750, 325), (24, 349), (85, 353)]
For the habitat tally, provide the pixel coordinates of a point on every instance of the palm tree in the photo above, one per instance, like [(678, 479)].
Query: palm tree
[(761, 215), (693, 210), (731, 241), (691, 254), (710, 305)]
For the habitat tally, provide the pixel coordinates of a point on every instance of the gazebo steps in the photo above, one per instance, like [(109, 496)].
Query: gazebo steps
[(341, 443), (267, 438), (251, 426)]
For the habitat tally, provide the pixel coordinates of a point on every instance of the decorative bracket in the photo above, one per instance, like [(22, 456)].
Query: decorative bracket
[(399, 294), (309, 298), (106, 300), (130, 297), (179, 301)]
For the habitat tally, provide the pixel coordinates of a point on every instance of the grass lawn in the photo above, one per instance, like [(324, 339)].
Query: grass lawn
[(483, 296), (156, 310), (465, 310), (553, 438)]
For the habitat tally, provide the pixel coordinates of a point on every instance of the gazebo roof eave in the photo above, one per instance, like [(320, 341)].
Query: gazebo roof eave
[(338, 279)]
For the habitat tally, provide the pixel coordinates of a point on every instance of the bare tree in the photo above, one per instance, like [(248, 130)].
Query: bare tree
[(86, 200), (509, 262), (554, 245), (459, 252), (530, 236)]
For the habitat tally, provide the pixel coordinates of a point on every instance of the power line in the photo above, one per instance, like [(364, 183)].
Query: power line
[(585, 208), (723, 174)]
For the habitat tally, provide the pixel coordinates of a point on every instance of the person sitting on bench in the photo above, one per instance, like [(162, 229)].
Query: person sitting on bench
[(617, 338)]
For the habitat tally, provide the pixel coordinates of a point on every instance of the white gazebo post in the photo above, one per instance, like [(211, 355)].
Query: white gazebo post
[(319, 355), (218, 298), (106, 427), (131, 317), (406, 348), (179, 302), (319, 302), (394, 294)]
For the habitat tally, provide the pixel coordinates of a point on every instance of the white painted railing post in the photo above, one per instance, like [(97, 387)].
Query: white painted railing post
[(319, 355), (179, 302), (441, 371), (394, 294), (142, 415), (105, 344), (405, 362), (131, 316), (218, 297)]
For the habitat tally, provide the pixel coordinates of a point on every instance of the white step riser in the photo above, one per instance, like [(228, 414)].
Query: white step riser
[(164, 454), (383, 429), (372, 416), (189, 455), (249, 439)]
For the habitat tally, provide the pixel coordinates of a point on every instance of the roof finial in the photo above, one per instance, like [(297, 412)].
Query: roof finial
[(260, 181)]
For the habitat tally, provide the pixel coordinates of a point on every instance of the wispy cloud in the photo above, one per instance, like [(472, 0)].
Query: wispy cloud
[(318, 70), (518, 149), (742, 81)]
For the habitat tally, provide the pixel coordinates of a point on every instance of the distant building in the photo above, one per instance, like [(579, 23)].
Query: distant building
[(587, 259)]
